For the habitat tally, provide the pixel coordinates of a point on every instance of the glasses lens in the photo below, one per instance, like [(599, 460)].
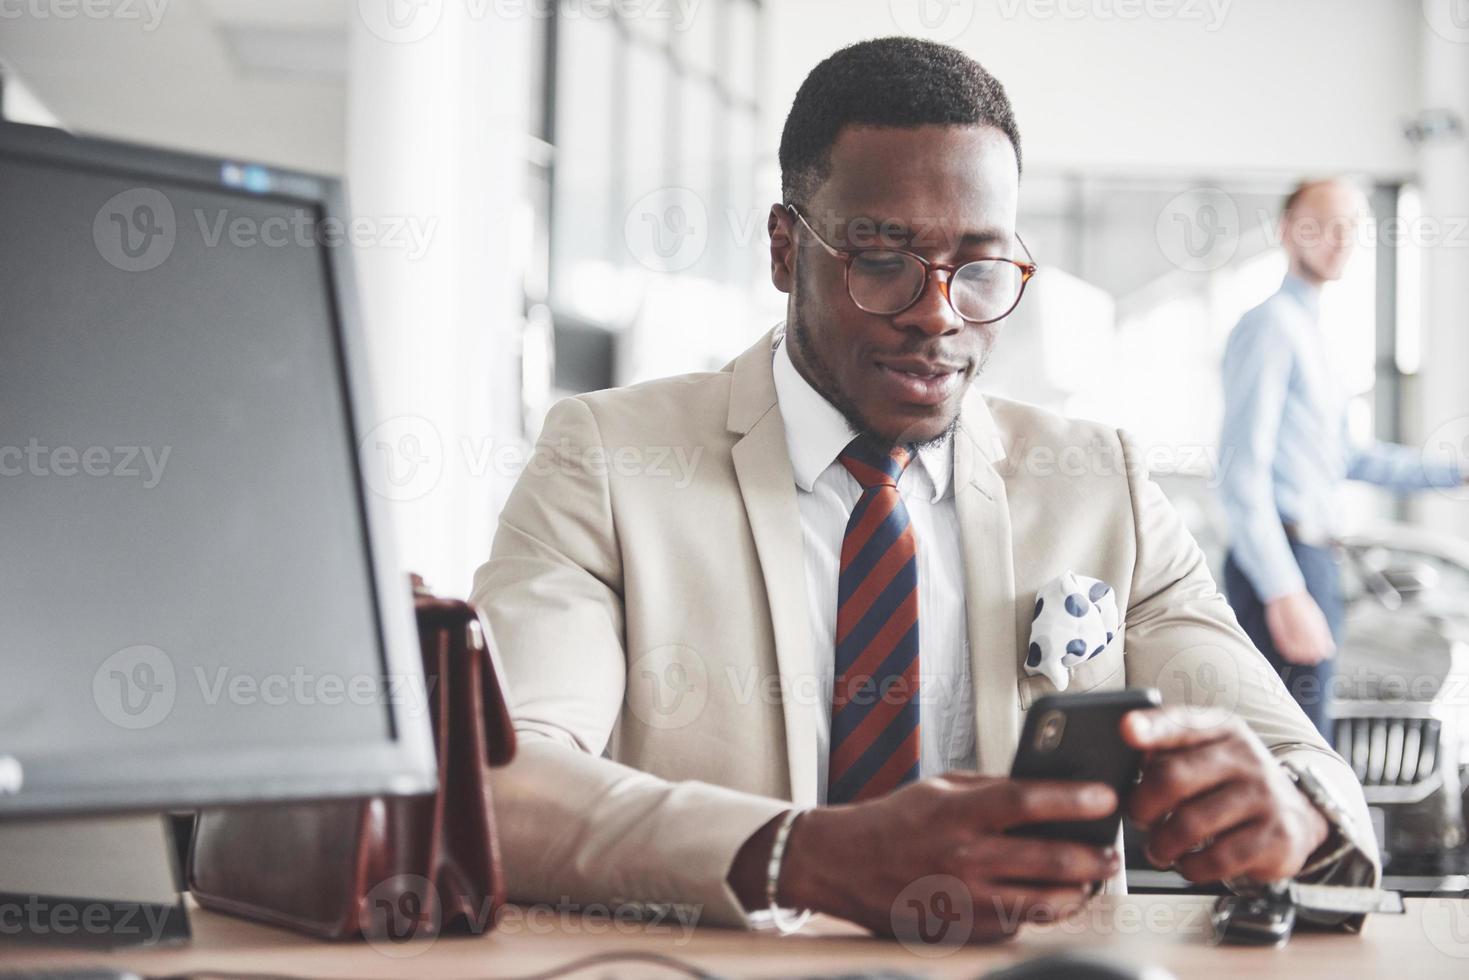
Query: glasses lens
[(885, 282), (985, 289)]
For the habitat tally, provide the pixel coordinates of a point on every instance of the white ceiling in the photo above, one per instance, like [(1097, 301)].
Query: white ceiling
[(254, 79)]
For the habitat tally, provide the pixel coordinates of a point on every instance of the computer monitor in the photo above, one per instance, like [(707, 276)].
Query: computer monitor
[(199, 603)]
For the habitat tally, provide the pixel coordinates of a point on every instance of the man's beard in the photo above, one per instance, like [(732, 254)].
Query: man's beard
[(824, 381)]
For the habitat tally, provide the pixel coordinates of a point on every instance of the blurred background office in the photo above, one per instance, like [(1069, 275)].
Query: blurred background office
[(561, 196)]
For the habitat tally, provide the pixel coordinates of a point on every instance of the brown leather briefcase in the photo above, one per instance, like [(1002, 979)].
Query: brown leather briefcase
[(386, 867)]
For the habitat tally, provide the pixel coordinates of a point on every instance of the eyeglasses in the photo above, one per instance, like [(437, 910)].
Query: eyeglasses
[(887, 281)]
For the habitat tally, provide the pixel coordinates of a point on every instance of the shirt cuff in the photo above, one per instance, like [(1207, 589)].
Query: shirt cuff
[(1340, 861)]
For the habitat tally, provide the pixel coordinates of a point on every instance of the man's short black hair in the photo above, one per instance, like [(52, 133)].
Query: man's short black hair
[(889, 81)]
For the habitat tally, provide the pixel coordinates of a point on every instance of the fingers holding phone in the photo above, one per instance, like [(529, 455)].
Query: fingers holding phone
[(951, 830), (1215, 804)]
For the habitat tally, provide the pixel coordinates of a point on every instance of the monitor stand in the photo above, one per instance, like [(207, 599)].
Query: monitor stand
[(93, 882)]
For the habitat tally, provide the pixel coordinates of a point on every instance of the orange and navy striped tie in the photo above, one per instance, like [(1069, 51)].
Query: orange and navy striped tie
[(874, 711)]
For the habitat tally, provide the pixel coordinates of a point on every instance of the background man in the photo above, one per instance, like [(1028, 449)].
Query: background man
[(1286, 440), (688, 662)]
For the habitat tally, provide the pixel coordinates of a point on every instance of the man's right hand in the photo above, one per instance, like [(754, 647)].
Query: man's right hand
[(855, 861), (1298, 629)]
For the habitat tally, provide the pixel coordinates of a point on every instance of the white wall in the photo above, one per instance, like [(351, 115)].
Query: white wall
[(1277, 85), (173, 73)]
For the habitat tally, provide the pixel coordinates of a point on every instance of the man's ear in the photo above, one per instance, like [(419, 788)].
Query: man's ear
[(781, 227)]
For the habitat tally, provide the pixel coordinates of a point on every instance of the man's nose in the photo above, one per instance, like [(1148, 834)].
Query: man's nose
[(932, 313)]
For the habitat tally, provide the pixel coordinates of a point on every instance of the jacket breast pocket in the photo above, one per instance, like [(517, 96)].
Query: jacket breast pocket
[(1100, 673)]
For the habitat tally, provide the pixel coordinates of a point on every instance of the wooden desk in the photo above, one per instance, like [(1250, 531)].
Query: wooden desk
[(1431, 940)]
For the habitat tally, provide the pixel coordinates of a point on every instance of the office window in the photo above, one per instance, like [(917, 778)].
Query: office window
[(652, 191), (585, 230)]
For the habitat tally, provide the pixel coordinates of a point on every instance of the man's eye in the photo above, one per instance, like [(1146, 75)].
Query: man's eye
[(879, 263)]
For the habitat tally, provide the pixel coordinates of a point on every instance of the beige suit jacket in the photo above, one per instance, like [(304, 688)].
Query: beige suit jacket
[(647, 599)]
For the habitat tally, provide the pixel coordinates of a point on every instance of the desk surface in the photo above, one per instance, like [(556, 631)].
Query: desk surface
[(1431, 940)]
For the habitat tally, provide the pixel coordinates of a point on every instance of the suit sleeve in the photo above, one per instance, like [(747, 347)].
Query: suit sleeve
[(1182, 637), (576, 826)]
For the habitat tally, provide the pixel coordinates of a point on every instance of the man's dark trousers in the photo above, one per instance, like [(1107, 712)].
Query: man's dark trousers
[(1309, 685)]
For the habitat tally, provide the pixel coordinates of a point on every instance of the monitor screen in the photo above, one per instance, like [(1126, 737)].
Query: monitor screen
[(193, 604)]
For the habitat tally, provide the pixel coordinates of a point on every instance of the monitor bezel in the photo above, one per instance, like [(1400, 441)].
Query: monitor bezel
[(405, 763)]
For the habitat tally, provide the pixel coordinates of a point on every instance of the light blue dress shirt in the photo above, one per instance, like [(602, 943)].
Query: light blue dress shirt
[(1285, 444)]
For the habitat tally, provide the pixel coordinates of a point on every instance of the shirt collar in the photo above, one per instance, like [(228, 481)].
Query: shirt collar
[(1308, 295), (816, 433)]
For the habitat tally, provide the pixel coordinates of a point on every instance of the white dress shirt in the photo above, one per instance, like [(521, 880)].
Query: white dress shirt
[(816, 433)]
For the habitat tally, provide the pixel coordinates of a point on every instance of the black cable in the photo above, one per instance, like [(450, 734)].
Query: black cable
[(596, 959)]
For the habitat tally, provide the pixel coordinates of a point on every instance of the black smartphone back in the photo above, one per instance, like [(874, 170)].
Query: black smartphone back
[(1077, 737)]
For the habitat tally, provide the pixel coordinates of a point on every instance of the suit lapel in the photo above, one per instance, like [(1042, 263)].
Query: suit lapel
[(989, 575), (763, 467)]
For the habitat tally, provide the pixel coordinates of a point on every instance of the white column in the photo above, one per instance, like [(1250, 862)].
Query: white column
[(1442, 406), (439, 99)]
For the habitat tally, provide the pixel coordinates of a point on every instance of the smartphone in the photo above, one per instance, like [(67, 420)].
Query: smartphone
[(1078, 737)]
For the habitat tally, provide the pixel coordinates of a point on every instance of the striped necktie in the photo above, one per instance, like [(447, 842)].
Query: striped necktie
[(874, 711)]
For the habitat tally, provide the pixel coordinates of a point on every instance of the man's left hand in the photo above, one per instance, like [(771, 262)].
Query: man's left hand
[(1215, 804)]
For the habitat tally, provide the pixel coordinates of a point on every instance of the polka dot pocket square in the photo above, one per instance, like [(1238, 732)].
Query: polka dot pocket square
[(1075, 618)]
